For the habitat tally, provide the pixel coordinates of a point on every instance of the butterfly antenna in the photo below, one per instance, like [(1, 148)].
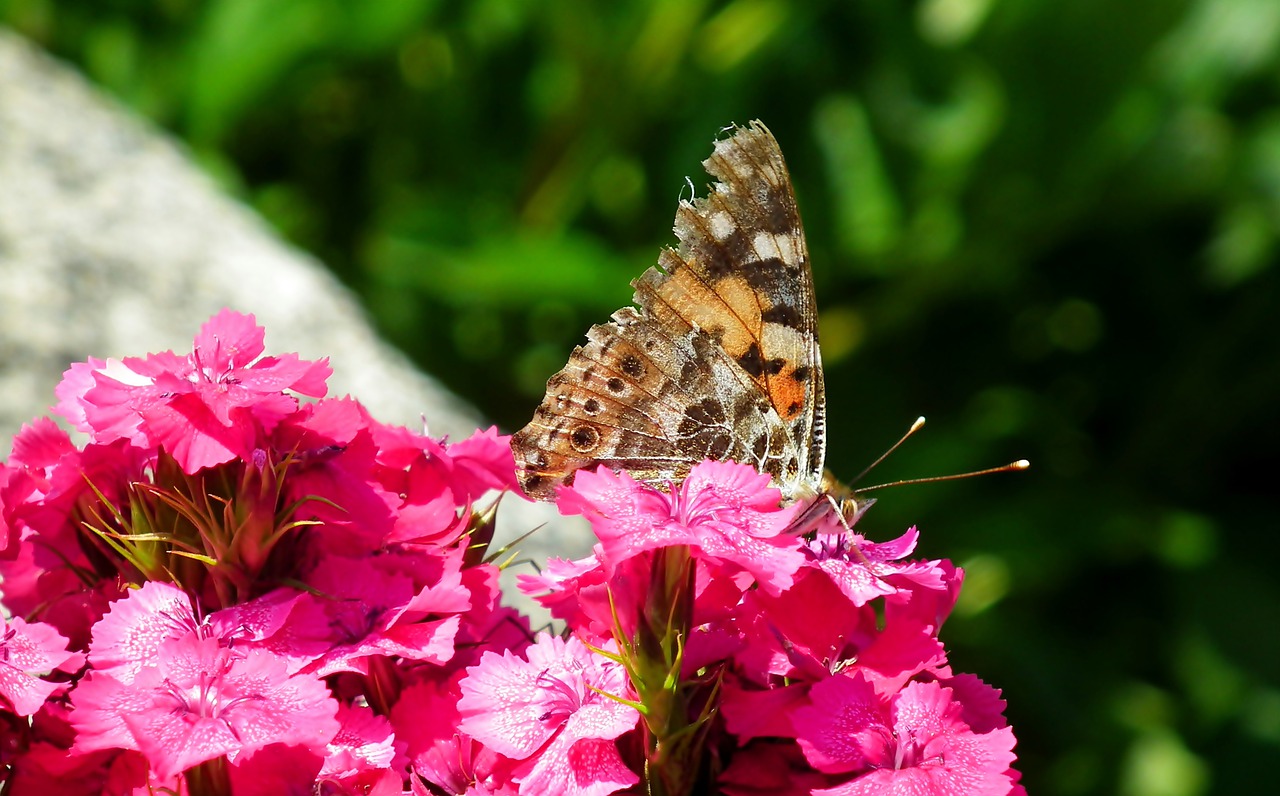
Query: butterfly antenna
[(1020, 464), (916, 426)]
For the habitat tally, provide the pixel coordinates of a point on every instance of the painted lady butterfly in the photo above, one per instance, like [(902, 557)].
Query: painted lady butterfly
[(719, 361)]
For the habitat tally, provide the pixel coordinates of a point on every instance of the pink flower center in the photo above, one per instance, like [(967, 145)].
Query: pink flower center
[(705, 506), (840, 547), (9, 634), (900, 750), (907, 751), (828, 546), (357, 623), (203, 699), (563, 693), (209, 373)]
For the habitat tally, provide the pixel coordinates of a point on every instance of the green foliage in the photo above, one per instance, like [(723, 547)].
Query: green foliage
[(1049, 226)]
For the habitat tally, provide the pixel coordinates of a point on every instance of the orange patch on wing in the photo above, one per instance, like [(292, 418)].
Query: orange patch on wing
[(729, 308), (787, 395)]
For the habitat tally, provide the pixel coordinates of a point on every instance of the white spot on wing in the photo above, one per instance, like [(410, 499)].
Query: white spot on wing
[(722, 225), (783, 247), (766, 245)]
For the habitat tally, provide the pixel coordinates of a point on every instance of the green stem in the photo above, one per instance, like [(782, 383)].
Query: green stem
[(672, 745), (209, 778)]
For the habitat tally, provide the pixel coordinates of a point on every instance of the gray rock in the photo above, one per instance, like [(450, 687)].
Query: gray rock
[(113, 244)]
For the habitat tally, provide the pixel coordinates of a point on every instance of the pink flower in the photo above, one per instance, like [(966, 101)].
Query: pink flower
[(915, 742), (487, 625), (334, 626), (437, 482), (807, 632), (333, 456), (204, 408), (812, 631), (57, 596), (200, 702), (864, 570), (426, 718), (550, 710), (27, 477), (52, 490), (52, 487), (724, 510), (128, 638), (364, 744), (360, 612), (26, 652), (576, 592)]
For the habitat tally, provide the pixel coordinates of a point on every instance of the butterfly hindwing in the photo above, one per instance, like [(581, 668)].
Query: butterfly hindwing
[(720, 360)]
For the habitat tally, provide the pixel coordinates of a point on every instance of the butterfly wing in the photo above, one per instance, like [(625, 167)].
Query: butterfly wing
[(719, 361)]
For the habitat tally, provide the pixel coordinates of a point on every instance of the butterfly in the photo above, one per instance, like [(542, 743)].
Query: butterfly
[(719, 358)]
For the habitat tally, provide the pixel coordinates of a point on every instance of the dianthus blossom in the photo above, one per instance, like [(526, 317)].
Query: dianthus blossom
[(231, 587)]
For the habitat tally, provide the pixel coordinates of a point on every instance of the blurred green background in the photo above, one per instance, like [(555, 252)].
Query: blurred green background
[(1051, 227)]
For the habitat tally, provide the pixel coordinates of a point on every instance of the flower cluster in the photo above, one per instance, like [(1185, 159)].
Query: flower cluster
[(227, 589), (766, 663)]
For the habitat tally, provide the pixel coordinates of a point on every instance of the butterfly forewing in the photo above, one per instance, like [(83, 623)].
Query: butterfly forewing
[(719, 361)]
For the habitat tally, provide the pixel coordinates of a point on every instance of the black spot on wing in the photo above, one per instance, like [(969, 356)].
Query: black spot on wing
[(584, 438), (756, 365), (701, 415), (784, 315), (752, 362), (633, 367)]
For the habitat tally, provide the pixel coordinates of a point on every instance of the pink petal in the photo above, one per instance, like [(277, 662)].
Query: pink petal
[(844, 712), (275, 770), (426, 719), (760, 713), (739, 486), (40, 444), (482, 462), (29, 650), (129, 636), (587, 767), (364, 742), (76, 382), (514, 706), (172, 743), (499, 706), (230, 339)]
